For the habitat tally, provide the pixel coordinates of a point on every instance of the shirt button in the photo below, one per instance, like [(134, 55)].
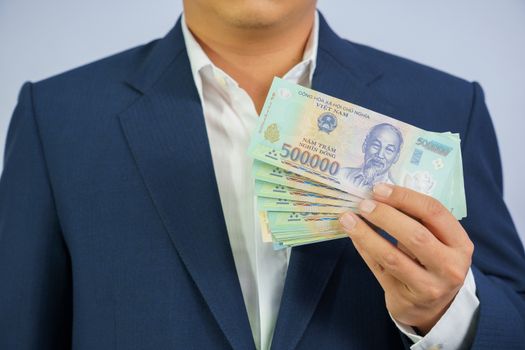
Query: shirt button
[(436, 347)]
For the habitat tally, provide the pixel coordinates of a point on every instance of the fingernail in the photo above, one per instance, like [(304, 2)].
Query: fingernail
[(367, 206), (383, 190), (348, 221)]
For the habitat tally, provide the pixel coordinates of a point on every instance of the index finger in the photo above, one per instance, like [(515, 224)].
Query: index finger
[(428, 210)]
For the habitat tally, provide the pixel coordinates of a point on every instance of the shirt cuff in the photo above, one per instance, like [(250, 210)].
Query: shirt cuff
[(455, 329)]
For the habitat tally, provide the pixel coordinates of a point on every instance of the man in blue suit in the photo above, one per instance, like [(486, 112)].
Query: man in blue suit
[(127, 218)]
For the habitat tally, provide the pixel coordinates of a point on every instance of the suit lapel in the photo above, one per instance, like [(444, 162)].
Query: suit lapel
[(308, 273), (343, 73), (166, 133)]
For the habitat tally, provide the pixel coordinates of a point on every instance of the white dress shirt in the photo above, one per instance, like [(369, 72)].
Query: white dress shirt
[(230, 118)]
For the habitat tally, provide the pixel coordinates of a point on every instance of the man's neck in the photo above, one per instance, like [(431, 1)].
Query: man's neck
[(252, 56)]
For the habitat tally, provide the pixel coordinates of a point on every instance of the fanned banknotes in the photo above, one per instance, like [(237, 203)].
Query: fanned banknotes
[(313, 151), (286, 205), (271, 190), (267, 172)]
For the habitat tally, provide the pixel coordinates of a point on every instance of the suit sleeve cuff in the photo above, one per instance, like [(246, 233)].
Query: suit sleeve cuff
[(455, 329)]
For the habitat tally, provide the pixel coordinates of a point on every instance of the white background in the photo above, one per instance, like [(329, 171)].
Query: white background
[(482, 40)]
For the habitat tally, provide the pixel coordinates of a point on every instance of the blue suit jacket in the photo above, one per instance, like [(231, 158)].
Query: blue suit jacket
[(112, 234)]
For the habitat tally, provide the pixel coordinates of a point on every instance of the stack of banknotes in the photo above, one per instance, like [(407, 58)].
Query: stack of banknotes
[(316, 156)]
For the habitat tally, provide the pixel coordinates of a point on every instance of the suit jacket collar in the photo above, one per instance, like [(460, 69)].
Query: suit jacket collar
[(160, 54), (166, 134)]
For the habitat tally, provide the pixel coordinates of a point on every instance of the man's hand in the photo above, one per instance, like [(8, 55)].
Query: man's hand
[(422, 275)]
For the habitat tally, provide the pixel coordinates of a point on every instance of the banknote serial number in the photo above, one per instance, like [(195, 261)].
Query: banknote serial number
[(314, 161)]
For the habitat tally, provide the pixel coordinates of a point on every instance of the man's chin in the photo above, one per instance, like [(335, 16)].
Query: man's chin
[(262, 14), (253, 23), (252, 14)]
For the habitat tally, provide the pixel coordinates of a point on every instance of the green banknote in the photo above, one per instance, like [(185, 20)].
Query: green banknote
[(302, 222), (287, 205), (302, 241), (273, 174), (292, 229), (270, 190), (348, 149)]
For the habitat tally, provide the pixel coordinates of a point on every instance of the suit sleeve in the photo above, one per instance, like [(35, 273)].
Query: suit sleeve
[(499, 259), (35, 282)]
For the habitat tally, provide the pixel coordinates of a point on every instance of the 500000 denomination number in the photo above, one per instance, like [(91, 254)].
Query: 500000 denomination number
[(306, 158)]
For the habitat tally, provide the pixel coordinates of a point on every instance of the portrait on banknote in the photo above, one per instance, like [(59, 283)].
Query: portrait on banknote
[(381, 149)]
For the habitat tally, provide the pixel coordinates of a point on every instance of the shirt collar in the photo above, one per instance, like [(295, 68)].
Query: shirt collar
[(199, 60)]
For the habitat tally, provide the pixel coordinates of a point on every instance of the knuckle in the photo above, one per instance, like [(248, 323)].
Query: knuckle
[(432, 294), (455, 275), (420, 236), (453, 270), (391, 261), (433, 207), (402, 196), (377, 267), (469, 248)]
